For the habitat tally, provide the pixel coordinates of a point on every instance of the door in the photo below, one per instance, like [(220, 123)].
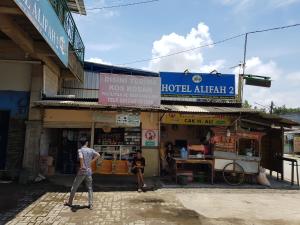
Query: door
[(4, 117), (272, 150)]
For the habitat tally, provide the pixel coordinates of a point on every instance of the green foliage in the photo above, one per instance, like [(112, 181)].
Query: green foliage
[(284, 110), (247, 105)]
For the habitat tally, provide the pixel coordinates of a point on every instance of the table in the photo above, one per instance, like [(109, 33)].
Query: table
[(210, 162)]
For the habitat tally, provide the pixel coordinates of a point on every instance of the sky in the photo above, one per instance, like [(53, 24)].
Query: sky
[(122, 35)]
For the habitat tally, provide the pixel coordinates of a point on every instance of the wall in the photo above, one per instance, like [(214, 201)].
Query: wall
[(151, 121), (15, 79), (50, 82), (15, 76)]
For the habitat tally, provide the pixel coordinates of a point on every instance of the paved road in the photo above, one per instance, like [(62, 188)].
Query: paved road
[(165, 206)]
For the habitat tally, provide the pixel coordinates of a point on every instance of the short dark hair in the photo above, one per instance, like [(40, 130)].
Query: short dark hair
[(138, 151), (83, 142)]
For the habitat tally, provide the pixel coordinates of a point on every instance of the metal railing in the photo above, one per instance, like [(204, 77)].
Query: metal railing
[(64, 14)]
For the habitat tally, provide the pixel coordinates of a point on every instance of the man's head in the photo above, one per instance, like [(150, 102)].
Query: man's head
[(84, 143), (139, 154)]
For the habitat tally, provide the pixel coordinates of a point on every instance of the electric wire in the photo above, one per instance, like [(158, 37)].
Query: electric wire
[(209, 44), (122, 5)]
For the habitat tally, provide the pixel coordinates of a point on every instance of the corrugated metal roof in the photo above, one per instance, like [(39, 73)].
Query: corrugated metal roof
[(206, 109), (104, 68), (163, 108), (172, 108)]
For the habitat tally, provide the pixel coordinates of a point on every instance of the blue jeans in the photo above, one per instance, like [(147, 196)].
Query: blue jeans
[(88, 182)]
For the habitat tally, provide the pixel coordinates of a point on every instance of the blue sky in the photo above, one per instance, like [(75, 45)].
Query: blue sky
[(122, 35)]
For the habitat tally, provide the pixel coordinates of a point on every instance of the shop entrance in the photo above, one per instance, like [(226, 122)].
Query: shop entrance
[(117, 147), (4, 118)]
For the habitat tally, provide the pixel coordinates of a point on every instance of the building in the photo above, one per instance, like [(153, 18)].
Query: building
[(117, 130), (40, 47)]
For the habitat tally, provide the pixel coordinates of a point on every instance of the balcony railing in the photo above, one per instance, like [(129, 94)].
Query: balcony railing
[(64, 14)]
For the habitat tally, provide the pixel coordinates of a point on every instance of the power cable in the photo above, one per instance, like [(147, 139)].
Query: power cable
[(210, 44), (188, 50), (122, 5)]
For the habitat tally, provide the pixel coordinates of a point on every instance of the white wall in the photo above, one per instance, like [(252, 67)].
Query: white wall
[(15, 76)]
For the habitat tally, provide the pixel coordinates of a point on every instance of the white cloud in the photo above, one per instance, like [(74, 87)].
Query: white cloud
[(283, 90), (98, 60), (255, 66), (192, 60)]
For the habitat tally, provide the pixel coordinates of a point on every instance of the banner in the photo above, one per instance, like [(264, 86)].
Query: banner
[(197, 84), (191, 119), (44, 18), (127, 90)]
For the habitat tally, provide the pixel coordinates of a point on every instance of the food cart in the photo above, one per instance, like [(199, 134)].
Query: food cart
[(237, 154)]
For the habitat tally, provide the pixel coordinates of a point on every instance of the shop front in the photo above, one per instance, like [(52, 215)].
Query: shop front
[(116, 135)]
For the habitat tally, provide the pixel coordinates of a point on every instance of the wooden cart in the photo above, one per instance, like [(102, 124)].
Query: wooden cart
[(236, 161)]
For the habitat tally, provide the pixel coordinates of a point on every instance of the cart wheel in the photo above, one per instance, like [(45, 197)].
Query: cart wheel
[(233, 174)]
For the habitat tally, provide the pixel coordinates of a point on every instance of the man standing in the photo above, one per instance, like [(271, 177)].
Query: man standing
[(87, 157), (138, 166)]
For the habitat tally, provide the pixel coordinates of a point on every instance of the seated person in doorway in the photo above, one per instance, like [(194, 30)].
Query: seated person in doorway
[(138, 166), (169, 155)]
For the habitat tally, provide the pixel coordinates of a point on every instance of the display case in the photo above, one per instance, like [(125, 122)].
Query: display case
[(117, 149)]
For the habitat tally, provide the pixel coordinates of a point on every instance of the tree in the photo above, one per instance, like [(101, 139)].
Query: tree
[(247, 105)]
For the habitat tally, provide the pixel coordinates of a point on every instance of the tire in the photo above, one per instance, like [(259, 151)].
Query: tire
[(233, 174)]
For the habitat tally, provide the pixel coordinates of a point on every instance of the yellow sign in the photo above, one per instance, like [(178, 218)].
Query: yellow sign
[(192, 119), (296, 144)]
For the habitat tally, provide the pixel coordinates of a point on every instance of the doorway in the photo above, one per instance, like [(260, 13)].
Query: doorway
[(4, 118)]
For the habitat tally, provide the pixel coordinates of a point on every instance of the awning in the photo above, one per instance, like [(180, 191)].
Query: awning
[(252, 115)]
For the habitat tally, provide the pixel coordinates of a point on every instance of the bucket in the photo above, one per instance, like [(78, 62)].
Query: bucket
[(183, 180)]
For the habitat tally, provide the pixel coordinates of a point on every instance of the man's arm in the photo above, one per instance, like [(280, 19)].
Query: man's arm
[(96, 157), (80, 159)]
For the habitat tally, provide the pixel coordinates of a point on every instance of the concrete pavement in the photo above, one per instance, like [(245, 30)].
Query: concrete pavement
[(164, 206)]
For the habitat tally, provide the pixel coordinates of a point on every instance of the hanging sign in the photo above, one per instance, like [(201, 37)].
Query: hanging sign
[(150, 138), (129, 120), (197, 84), (192, 119), (128, 90)]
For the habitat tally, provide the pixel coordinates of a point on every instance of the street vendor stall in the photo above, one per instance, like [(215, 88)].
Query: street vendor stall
[(237, 154)]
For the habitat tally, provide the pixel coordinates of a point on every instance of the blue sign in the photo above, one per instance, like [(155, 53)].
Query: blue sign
[(45, 20), (197, 84)]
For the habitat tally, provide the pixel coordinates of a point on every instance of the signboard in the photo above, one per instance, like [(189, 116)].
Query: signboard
[(150, 138), (120, 119), (192, 119), (129, 120), (127, 90), (197, 84), (45, 20), (296, 144)]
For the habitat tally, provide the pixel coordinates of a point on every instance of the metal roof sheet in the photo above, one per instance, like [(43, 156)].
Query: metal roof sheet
[(207, 109), (170, 108)]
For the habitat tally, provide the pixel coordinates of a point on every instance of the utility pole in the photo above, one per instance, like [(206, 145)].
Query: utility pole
[(241, 76), (271, 107)]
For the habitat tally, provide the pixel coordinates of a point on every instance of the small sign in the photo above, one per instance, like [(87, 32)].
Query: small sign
[(192, 119), (129, 120), (150, 138)]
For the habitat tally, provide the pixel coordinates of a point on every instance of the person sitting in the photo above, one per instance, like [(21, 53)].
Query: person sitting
[(170, 156), (138, 166)]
